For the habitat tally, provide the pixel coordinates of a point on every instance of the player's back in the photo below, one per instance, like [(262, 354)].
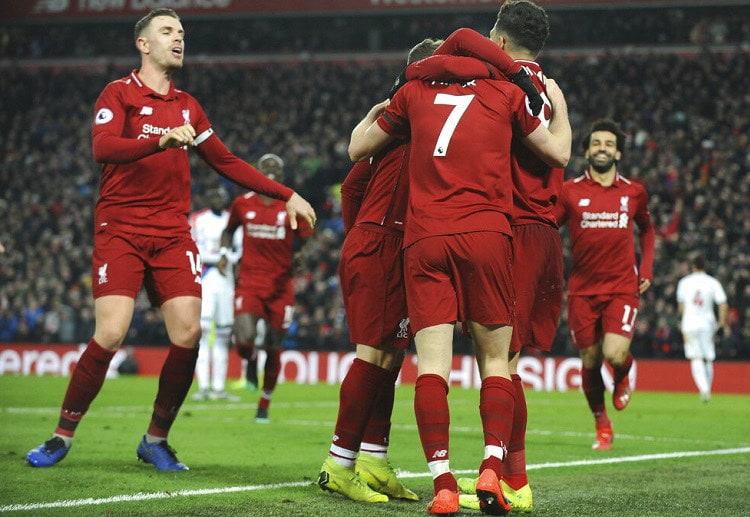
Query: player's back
[(459, 177), (536, 185), (387, 193), (699, 292)]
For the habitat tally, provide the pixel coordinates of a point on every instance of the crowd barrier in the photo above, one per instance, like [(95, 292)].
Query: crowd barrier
[(310, 367)]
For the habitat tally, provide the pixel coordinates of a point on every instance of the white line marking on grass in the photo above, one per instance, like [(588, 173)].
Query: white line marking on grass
[(74, 503)]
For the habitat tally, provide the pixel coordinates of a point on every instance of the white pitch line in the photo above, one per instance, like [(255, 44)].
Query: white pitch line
[(74, 503)]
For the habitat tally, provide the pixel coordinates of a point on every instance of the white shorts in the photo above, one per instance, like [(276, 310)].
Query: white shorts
[(699, 344), (217, 303)]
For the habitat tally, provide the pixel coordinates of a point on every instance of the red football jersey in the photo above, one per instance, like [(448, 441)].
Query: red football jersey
[(459, 164), (536, 185), (601, 220), (148, 193), (385, 198), (267, 238), (144, 189)]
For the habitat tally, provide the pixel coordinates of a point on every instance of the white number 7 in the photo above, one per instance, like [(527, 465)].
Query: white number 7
[(461, 103)]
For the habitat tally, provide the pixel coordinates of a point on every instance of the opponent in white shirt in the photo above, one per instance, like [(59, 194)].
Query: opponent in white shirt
[(697, 293), (217, 306)]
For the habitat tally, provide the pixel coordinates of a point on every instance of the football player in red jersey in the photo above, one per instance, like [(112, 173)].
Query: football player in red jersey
[(374, 197), (606, 281), (520, 31), (457, 242), (265, 288), (143, 129)]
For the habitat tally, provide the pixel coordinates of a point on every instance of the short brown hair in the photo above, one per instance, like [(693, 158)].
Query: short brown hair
[(525, 23), (423, 49), (144, 22)]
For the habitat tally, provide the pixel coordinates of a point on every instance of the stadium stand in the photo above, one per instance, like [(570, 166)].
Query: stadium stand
[(681, 103)]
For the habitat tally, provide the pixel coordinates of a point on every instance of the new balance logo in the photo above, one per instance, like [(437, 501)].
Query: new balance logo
[(442, 453)]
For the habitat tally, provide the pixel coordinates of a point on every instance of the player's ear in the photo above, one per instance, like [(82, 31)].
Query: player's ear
[(142, 45)]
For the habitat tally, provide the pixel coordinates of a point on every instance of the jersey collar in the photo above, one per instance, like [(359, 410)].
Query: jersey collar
[(148, 92)]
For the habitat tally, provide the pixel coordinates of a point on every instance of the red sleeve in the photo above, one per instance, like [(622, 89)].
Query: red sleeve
[(468, 42), (108, 145), (451, 68), (108, 148), (394, 120), (559, 210), (646, 237), (221, 159), (353, 191)]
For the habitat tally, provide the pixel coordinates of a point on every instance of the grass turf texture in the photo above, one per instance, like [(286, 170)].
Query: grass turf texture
[(672, 455)]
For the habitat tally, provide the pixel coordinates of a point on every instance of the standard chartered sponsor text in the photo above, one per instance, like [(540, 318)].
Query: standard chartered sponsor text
[(600, 220)]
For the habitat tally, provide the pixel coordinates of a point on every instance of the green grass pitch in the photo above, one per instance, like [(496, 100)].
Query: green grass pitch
[(672, 455)]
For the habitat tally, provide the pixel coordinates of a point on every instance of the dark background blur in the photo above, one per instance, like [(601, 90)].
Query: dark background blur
[(294, 77)]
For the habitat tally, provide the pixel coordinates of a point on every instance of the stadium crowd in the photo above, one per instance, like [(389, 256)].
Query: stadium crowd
[(687, 125), (571, 28)]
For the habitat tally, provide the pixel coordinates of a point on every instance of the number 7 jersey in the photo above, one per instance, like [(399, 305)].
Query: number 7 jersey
[(459, 166)]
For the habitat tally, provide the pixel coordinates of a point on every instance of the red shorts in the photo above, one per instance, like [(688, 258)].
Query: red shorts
[(166, 266), (372, 284), (538, 276), (269, 298), (462, 277), (590, 317)]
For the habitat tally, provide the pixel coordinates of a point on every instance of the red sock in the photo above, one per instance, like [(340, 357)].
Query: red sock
[(433, 422), (620, 372), (271, 370), (84, 385), (245, 350), (174, 383), (514, 466), (356, 400), (593, 388), (496, 401), (378, 428)]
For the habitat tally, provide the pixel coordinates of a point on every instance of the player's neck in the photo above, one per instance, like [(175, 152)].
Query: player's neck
[(266, 200), (603, 178), (155, 78)]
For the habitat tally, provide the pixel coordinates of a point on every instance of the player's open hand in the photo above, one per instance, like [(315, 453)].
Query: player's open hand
[(555, 95), (298, 207), (643, 285), (178, 137)]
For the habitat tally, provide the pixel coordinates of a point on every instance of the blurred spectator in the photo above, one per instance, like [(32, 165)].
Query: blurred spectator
[(687, 141)]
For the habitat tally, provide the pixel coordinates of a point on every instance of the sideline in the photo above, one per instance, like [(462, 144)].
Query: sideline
[(75, 503)]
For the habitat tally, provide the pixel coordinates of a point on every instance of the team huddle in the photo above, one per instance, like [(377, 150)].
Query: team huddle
[(452, 214)]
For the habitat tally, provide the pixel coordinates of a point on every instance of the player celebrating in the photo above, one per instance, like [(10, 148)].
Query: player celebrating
[(605, 281), (265, 288), (217, 307), (142, 131), (373, 204), (521, 30), (458, 253)]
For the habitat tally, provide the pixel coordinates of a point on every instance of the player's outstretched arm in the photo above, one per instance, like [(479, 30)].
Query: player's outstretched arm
[(296, 207)]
